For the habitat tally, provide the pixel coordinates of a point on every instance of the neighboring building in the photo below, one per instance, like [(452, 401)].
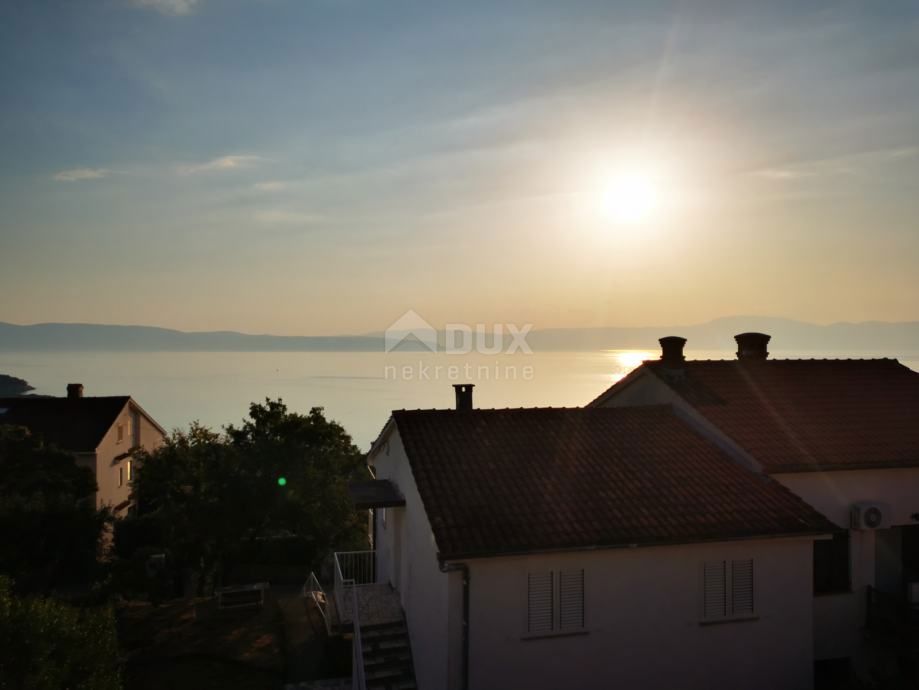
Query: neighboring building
[(574, 548), (841, 434), (101, 432)]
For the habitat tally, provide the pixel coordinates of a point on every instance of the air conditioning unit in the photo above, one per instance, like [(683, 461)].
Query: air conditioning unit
[(869, 515)]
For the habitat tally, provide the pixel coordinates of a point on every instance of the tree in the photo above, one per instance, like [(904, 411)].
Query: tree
[(278, 472), (10, 386), (47, 645), (50, 529), (316, 459)]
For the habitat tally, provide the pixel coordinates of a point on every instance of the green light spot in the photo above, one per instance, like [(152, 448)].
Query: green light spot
[(282, 481)]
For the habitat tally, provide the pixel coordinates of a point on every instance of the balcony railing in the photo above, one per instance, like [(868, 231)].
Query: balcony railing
[(313, 590), (354, 569)]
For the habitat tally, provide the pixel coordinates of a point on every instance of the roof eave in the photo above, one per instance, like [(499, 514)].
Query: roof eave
[(810, 534)]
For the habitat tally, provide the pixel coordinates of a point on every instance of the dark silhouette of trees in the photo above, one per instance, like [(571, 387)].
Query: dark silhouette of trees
[(277, 473), (50, 529)]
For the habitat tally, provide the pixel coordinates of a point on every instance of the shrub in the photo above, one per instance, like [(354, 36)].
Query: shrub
[(48, 645)]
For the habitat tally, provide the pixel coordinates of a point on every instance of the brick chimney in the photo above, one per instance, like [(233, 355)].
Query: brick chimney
[(752, 346), (74, 391), (672, 351), (463, 396)]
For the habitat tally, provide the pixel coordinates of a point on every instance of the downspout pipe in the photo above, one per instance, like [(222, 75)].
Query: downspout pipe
[(464, 569)]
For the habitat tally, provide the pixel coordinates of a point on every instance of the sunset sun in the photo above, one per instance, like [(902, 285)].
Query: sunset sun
[(632, 196)]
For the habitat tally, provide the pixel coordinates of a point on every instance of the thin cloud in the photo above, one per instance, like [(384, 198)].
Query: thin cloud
[(222, 164), (80, 174), (847, 164), (171, 7), (271, 186), (286, 217)]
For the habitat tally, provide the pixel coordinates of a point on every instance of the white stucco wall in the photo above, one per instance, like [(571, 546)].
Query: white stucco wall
[(642, 610), (109, 452), (407, 558), (840, 617)]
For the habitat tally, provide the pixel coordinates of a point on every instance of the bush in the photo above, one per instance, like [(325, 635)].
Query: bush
[(48, 645), (136, 532)]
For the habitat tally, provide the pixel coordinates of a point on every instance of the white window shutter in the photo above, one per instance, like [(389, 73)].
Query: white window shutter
[(742, 587), (540, 618), (714, 590), (571, 599)]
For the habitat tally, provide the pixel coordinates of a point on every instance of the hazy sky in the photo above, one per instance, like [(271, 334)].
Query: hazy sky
[(299, 166)]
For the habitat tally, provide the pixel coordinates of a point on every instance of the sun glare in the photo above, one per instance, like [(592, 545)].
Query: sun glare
[(632, 196)]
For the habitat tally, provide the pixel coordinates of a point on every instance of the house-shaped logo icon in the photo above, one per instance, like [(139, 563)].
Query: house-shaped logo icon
[(410, 325)]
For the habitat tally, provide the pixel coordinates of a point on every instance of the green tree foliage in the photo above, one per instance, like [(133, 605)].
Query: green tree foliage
[(49, 526), (47, 645), (214, 492)]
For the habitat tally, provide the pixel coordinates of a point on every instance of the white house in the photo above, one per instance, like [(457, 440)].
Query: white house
[(841, 434), (600, 547), (102, 432)]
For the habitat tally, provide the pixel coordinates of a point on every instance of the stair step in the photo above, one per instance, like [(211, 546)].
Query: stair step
[(384, 673), (401, 666), (396, 657), (388, 631)]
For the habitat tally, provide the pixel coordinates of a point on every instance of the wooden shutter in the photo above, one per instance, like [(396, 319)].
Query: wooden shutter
[(540, 607), (714, 590), (742, 588), (571, 599)]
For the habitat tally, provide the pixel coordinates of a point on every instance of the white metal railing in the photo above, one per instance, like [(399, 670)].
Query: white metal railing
[(358, 677), (313, 590), (355, 567), (352, 569)]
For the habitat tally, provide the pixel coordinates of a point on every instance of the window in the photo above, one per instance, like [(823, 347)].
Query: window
[(130, 470), (120, 432), (727, 590), (383, 517), (121, 476), (135, 430), (831, 564), (555, 601)]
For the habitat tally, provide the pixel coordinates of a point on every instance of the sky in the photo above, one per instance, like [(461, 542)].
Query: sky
[(323, 166)]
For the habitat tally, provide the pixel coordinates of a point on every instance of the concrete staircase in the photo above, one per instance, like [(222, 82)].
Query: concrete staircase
[(388, 657)]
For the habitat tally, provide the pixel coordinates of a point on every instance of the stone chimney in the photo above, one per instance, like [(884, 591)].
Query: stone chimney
[(74, 391), (463, 396), (752, 346), (672, 351)]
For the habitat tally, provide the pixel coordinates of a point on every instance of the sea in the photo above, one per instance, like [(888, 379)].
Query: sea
[(357, 389)]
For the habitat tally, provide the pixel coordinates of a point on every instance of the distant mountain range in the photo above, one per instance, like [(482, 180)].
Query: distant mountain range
[(787, 334)]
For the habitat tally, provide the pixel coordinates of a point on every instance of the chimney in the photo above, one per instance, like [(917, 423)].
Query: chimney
[(463, 396), (752, 346), (672, 351), (74, 391)]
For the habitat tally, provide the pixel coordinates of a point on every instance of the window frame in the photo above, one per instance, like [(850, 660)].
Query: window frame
[(733, 570), (564, 584)]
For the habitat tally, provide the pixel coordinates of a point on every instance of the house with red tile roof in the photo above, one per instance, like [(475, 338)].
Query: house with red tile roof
[(841, 434), (586, 547), (101, 432)]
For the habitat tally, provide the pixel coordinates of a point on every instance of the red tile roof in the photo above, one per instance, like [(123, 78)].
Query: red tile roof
[(806, 415), (77, 425), (516, 481)]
